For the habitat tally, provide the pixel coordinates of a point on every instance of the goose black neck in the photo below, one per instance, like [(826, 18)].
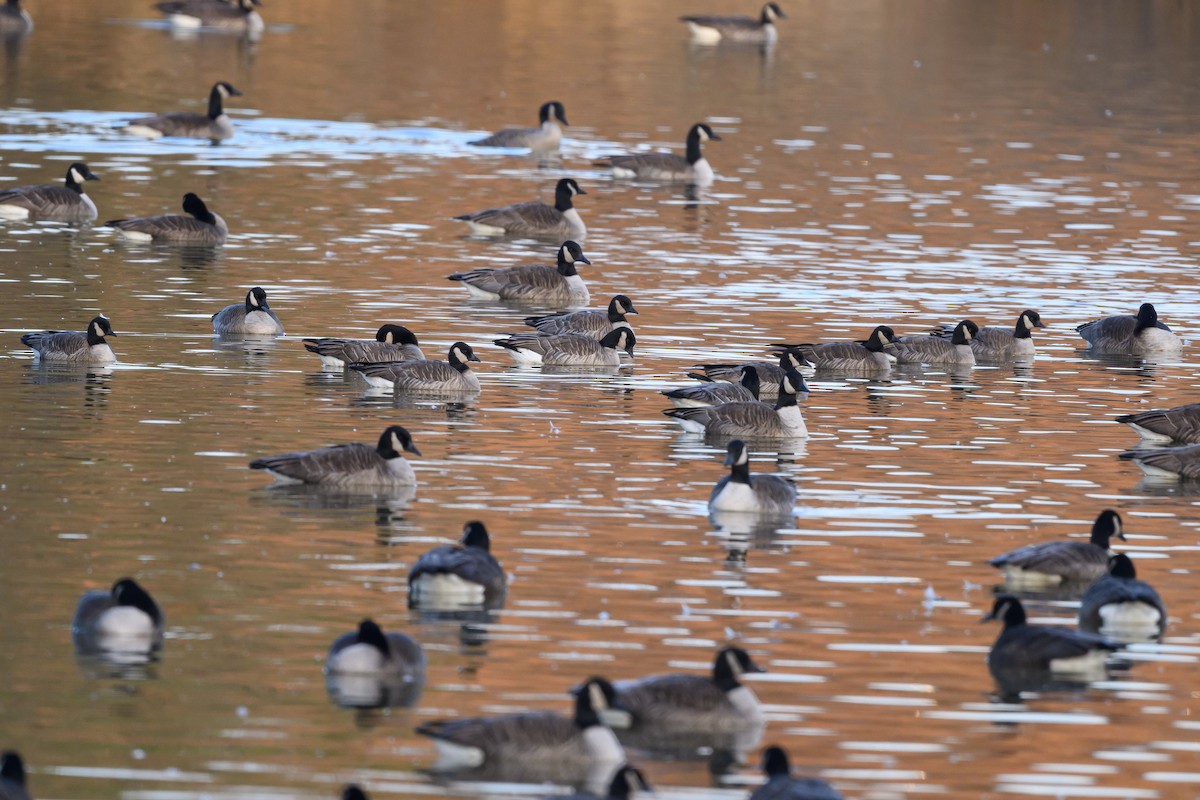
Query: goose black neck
[(70, 181), (875, 342), (94, 338), (785, 400), (693, 146), (585, 716), (1022, 331), (215, 108), (562, 198), (1122, 567), (750, 381), (11, 767), (739, 473), (370, 634), (723, 675), (458, 363), (1103, 528), (1147, 317), (764, 18), (565, 268)]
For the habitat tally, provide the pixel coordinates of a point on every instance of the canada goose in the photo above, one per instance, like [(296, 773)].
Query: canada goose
[(1048, 564), (452, 375), (559, 221), (370, 651), (693, 169), (995, 343), (1139, 334), (74, 347), (231, 15), (1037, 648), (713, 29), (1121, 606), (348, 465), (458, 574), (354, 792), (715, 393), (1169, 463), (627, 782), (750, 420), (589, 322), (569, 349), (251, 317), (781, 785), (537, 736), (547, 136), (201, 227), (925, 349), (14, 19), (125, 617), (1178, 424), (215, 125), (741, 491), (12, 777), (769, 372), (391, 343), (865, 357), (559, 285), (66, 203)]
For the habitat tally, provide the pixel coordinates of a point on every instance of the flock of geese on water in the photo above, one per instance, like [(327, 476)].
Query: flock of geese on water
[(755, 401)]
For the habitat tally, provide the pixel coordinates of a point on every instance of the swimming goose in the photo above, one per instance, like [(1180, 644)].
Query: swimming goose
[(781, 785), (202, 227), (1121, 606), (1171, 463), (1048, 564), (693, 169), (712, 29), (559, 285), (370, 651), (66, 203), (995, 343), (1038, 648), (865, 357), (569, 349), (125, 615), (750, 420), (769, 373), (460, 574), (452, 375), (348, 465), (251, 317), (1178, 424), (627, 782), (1138, 334), (75, 347), (14, 19), (231, 15), (559, 221), (741, 491), (589, 322), (391, 343), (547, 136), (715, 393), (929, 349), (214, 125), (536, 736), (12, 777)]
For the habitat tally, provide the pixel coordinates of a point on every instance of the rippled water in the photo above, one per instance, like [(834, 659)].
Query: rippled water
[(904, 163)]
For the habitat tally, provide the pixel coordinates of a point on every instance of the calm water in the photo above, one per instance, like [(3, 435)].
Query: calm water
[(906, 163)]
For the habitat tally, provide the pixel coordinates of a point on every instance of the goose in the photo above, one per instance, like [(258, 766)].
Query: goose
[(1047, 564), (781, 785), (348, 465), (1022, 647), (214, 125), (1169, 463), (74, 347), (546, 137), (1178, 424), (741, 491), (1139, 334), (559, 221), (391, 343), (581, 741), (370, 651), (627, 782), (590, 322), (750, 420), (559, 285), (713, 29), (769, 372), (865, 357), (569, 349), (464, 574), (66, 203), (936, 350), (126, 614), (995, 343), (201, 227), (14, 19), (251, 317), (452, 375), (693, 169), (234, 15), (715, 393), (1122, 606), (354, 792), (12, 777)]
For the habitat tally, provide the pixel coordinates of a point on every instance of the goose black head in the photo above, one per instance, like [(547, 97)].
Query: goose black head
[(475, 535), (98, 328), (461, 353), (793, 358), (571, 253), (351, 791), (627, 781), (372, 634), (1032, 319), (964, 332), (620, 339), (736, 454), (701, 132), (394, 440), (12, 768), (1121, 566), (127, 592), (225, 89), (256, 300), (77, 173), (568, 186), (596, 699), (730, 664), (1008, 609), (395, 334), (750, 379), (771, 12), (1107, 525), (619, 306), (775, 762), (791, 384), (1147, 316), (194, 206), (552, 111)]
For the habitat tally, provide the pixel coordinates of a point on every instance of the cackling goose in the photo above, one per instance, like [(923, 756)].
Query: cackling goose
[(1139, 334), (1170, 463), (66, 203), (1178, 424), (460, 574), (124, 617), (14, 19), (546, 137), (712, 29), (756, 494), (74, 347), (201, 227), (226, 15), (12, 777), (627, 783), (348, 465), (391, 343), (252, 317), (1039, 648), (370, 651), (569, 349), (559, 221), (1121, 606), (865, 357), (715, 393), (452, 375), (750, 420), (994, 343), (1046, 564), (559, 285), (930, 349), (589, 322), (693, 169), (769, 373), (214, 125), (781, 785)]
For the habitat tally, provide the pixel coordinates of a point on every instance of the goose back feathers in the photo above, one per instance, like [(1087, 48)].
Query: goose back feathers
[(66, 203), (74, 347), (558, 285), (200, 227), (348, 465), (1132, 334)]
